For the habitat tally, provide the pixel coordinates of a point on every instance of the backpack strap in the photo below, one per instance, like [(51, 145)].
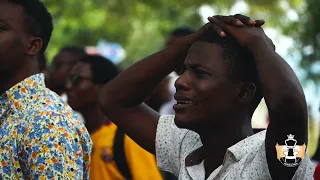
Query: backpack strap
[(119, 154)]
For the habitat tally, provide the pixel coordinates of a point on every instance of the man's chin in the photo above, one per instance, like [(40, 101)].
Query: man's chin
[(181, 123)]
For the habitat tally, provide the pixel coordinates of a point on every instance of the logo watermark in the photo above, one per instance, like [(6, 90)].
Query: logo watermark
[(290, 154)]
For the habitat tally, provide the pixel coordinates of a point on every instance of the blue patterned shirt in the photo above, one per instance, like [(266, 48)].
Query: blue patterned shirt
[(40, 136)]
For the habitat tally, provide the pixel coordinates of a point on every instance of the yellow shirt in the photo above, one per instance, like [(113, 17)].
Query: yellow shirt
[(141, 163)]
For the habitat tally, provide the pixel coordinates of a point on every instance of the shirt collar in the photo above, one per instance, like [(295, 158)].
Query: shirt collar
[(240, 149), (235, 152), (28, 87)]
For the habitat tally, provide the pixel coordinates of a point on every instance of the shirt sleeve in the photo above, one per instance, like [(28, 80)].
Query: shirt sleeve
[(142, 164), (305, 170), (55, 146), (168, 144)]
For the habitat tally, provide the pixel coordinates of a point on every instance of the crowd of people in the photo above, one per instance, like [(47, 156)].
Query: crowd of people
[(181, 113)]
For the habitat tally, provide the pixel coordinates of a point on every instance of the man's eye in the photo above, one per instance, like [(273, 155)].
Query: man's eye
[(197, 71)]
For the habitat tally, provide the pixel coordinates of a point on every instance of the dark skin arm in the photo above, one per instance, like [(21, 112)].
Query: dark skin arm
[(122, 98), (282, 92)]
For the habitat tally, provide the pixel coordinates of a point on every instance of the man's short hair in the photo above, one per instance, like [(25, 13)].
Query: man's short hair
[(103, 70), (239, 61), (38, 20), (182, 31)]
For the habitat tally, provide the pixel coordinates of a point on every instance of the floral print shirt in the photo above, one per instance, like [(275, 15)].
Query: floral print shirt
[(40, 136)]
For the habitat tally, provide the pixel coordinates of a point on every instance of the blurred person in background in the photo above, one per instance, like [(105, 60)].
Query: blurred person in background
[(61, 66), (41, 137), (175, 35), (160, 95), (114, 155), (227, 72)]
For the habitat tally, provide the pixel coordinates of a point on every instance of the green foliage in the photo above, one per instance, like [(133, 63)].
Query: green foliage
[(307, 34), (141, 26), (313, 136)]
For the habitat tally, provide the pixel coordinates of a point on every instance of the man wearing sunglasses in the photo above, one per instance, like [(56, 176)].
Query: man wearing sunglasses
[(61, 66), (114, 155)]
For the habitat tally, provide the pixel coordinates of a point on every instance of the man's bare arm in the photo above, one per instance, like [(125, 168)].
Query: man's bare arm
[(282, 92), (286, 104), (121, 99)]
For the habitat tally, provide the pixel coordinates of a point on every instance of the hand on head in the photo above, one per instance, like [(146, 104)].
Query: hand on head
[(243, 28)]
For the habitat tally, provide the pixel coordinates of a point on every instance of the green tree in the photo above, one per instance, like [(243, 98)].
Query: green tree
[(306, 33), (140, 26)]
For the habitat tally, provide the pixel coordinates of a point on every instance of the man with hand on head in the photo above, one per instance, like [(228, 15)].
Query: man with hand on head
[(230, 64), (40, 136)]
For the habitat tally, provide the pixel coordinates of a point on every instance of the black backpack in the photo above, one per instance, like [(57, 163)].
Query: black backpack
[(119, 155)]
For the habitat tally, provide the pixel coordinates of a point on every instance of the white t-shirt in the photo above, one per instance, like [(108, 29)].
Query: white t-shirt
[(244, 160)]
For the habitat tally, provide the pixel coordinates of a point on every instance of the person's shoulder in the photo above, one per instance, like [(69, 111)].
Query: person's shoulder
[(167, 124), (44, 98), (168, 134), (50, 104), (251, 148), (55, 119), (167, 119), (50, 111), (60, 125)]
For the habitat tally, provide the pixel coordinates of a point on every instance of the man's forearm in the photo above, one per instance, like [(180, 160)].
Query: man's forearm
[(277, 78), (132, 86)]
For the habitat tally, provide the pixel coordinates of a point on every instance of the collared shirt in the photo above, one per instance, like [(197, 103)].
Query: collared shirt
[(142, 164), (244, 160), (40, 136)]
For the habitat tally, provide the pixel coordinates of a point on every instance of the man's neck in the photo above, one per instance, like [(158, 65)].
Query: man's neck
[(94, 118), (10, 78), (219, 140)]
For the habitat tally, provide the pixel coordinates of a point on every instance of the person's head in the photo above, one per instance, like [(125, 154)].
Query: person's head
[(178, 33), (62, 64), (25, 31), (219, 86), (86, 79)]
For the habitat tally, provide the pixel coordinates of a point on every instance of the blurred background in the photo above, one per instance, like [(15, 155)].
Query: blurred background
[(125, 31)]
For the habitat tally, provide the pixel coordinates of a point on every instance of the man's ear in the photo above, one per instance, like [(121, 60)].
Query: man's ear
[(34, 46), (246, 92)]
